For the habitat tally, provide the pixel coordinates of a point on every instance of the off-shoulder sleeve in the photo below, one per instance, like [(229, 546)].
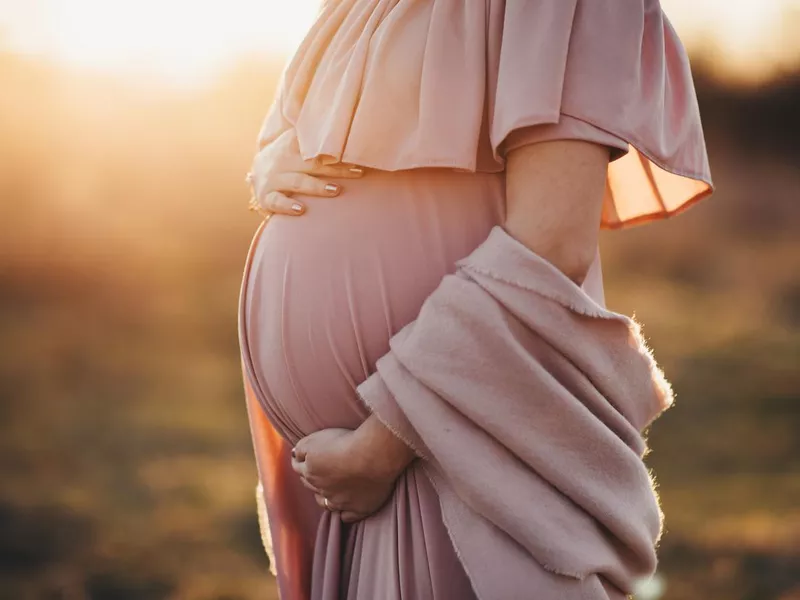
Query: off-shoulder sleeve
[(567, 128), (402, 84)]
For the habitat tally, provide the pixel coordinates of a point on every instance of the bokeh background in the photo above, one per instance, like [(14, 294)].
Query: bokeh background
[(126, 470)]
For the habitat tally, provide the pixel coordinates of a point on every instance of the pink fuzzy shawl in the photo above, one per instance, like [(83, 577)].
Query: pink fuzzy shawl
[(526, 400)]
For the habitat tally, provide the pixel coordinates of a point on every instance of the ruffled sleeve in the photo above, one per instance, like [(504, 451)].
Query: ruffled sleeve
[(567, 128), (403, 84)]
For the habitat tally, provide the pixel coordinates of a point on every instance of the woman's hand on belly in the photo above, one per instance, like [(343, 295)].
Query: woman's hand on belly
[(346, 467), (279, 170)]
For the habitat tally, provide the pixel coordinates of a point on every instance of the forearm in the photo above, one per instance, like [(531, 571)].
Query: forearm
[(554, 196), (380, 451)]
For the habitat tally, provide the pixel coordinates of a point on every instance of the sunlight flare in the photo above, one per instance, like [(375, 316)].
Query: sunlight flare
[(184, 39), (190, 41)]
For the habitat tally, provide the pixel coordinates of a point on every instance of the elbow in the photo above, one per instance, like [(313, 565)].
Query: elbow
[(576, 268), (571, 250), (573, 259)]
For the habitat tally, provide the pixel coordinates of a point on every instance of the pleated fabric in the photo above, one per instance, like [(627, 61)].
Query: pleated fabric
[(403, 84)]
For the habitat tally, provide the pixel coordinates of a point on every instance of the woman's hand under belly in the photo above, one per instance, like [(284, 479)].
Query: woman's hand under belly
[(343, 466)]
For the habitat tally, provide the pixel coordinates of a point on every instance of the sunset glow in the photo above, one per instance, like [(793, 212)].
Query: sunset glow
[(184, 39), (189, 41)]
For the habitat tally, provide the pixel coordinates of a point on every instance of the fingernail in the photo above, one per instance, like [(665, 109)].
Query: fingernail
[(357, 170), (332, 188), (294, 453), (298, 208)]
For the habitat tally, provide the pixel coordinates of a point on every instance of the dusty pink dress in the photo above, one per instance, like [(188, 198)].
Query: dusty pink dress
[(431, 94)]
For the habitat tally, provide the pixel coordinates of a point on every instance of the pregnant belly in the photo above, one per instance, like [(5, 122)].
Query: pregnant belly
[(327, 290)]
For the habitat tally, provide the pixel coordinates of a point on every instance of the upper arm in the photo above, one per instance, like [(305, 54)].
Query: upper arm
[(554, 197)]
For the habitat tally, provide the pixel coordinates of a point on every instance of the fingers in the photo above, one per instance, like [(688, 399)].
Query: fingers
[(330, 505), (299, 451), (310, 486), (281, 204), (343, 171), (300, 467), (275, 189), (301, 183), (348, 516)]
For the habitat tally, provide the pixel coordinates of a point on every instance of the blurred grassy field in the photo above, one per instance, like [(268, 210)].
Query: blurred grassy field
[(127, 470)]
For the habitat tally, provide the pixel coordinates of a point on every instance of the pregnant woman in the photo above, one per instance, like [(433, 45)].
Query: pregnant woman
[(441, 405)]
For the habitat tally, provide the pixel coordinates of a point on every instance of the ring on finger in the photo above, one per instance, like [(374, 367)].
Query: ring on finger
[(327, 503)]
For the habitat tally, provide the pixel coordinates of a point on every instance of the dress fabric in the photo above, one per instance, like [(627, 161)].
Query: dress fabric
[(401, 84), (432, 95)]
